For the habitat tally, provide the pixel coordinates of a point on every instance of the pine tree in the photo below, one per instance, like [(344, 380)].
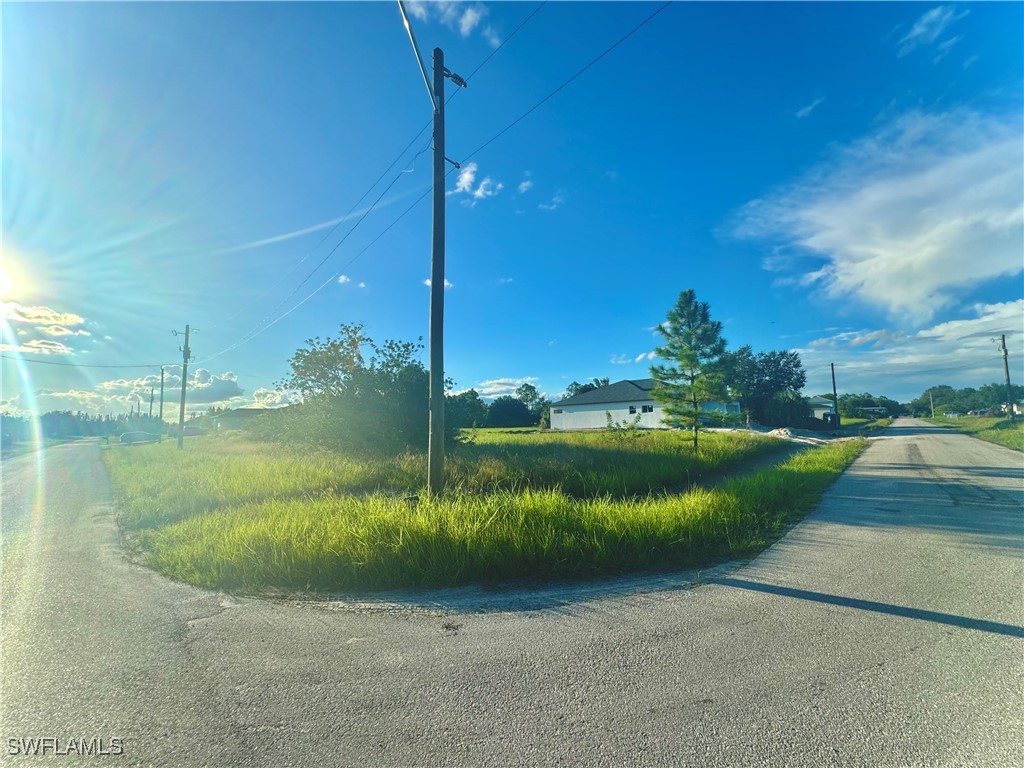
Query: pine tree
[(694, 376)]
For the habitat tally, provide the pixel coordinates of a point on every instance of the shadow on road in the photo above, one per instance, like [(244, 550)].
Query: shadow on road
[(870, 605)]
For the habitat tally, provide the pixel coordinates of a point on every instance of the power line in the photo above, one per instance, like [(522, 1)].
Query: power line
[(80, 365), (889, 368), (540, 103), (491, 56), (264, 325)]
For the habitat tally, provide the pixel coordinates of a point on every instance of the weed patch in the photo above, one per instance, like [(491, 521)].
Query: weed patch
[(305, 533)]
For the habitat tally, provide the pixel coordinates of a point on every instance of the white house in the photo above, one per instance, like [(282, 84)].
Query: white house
[(624, 400), (820, 406)]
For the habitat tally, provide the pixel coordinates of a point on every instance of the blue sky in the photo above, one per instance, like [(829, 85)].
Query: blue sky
[(840, 179)]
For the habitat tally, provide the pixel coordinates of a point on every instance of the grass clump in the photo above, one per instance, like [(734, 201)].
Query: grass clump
[(157, 484), (998, 430), (342, 541)]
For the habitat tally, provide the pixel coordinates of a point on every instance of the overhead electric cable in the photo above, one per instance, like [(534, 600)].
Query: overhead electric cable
[(392, 165), (540, 103), (82, 365), (263, 325)]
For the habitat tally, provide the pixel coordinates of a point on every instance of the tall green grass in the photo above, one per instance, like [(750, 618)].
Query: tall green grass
[(1001, 431), (157, 484), (335, 542)]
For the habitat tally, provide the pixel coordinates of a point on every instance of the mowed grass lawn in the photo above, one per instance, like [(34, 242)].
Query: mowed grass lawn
[(998, 430), (244, 516)]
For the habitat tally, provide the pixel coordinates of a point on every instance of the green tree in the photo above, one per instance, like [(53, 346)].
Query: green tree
[(507, 411), (575, 388), (534, 400), (350, 401), (758, 379), (694, 377), (465, 409)]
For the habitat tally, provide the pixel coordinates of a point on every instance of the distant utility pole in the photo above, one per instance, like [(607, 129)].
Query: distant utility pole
[(151, 396), (835, 397), (435, 442), (161, 396), (931, 402), (1006, 370), (186, 353)]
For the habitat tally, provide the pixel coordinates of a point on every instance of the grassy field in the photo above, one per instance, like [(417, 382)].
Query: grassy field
[(993, 429), (246, 517), (214, 473)]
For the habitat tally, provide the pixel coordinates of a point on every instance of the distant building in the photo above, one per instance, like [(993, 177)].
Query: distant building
[(820, 406), (624, 400)]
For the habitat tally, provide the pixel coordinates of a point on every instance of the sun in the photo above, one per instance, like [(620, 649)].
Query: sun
[(13, 278)]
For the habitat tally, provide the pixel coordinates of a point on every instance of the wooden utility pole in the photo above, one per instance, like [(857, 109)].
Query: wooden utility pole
[(435, 436), (1006, 370), (185, 355), (151, 396), (835, 397), (161, 396), (435, 443)]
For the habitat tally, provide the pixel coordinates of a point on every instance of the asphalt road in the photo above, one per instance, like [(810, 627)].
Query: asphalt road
[(885, 630)]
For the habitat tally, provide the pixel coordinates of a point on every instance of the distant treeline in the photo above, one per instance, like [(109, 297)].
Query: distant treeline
[(62, 424)]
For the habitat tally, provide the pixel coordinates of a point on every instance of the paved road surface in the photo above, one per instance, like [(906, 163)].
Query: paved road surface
[(885, 630)]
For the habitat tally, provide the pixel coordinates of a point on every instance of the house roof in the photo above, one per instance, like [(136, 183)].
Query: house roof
[(625, 391)]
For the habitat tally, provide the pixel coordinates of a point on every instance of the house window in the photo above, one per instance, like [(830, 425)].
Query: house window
[(647, 408), (632, 410), (557, 410)]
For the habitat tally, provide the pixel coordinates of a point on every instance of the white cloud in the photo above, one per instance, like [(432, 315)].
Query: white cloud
[(493, 388), (60, 330), (524, 185), (467, 177), (491, 35), (556, 201), (806, 111), (944, 48), (468, 20), (447, 284), (18, 313), (929, 27), (461, 17), (466, 184), (970, 60), (907, 218), (274, 398), (417, 10), (120, 395), (962, 352), (342, 279), (506, 280), (362, 285), (621, 360), (488, 188)]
